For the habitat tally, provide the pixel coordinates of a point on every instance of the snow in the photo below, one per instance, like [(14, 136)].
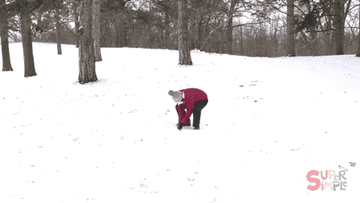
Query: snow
[(269, 121)]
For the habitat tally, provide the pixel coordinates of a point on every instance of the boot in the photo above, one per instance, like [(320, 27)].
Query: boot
[(188, 123)]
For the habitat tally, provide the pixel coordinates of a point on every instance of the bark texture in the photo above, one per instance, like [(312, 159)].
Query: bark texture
[(241, 42), (4, 29), (76, 11), (96, 29), (184, 51), (339, 28), (58, 31), (167, 33), (86, 49), (27, 42), (199, 39), (230, 28), (290, 28), (358, 51)]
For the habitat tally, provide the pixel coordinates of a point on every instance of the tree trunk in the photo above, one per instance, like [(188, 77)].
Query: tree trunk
[(358, 51), (120, 36), (275, 42), (105, 40), (27, 42), (199, 32), (229, 37), (167, 34), (76, 11), (275, 28), (86, 49), (314, 41), (184, 51), (339, 28), (329, 37), (58, 29), (241, 41), (123, 30), (5, 40), (117, 33), (290, 28), (313, 36), (96, 29)]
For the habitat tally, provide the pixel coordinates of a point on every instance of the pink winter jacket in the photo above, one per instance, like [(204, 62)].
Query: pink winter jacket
[(192, 95)]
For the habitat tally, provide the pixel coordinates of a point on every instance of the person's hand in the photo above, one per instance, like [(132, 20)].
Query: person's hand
[(179, 126)]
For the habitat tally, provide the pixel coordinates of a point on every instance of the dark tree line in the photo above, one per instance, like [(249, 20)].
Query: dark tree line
[(242, 27)]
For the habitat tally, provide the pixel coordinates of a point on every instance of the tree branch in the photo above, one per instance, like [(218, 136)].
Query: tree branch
[(299, 9), (310, 42), (276, 8), (210, 34)]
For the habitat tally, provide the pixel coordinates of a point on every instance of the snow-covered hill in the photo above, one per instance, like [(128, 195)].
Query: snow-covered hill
[(269, 121)]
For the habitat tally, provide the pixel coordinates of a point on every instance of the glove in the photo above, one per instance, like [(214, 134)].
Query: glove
[(179, 126)]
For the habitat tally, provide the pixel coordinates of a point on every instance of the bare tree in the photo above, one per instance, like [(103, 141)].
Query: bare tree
[(184, 51), (241, 41), (120, 23), (358, 51), (229, 33), (96, 29), (120, 36), (4, 28), (166, 28), (313, 33), (86, 49), (339, 28), (26, 40), (76, 15), (290, 28), (58, 30)]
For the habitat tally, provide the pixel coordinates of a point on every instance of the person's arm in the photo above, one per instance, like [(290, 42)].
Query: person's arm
[(189, 110)]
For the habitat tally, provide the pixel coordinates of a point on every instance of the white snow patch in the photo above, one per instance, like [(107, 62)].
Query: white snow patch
[(269, 121)]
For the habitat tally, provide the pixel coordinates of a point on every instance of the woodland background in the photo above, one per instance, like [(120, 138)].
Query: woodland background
[(239, 27)]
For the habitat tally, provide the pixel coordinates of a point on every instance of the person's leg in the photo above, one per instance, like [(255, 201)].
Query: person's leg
[(196, 117), (197, 112)]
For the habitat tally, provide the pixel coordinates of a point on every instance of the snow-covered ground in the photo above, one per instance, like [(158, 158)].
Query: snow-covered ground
[(269, 121)]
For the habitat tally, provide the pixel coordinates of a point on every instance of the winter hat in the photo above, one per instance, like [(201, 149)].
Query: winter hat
[(176, 95)]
